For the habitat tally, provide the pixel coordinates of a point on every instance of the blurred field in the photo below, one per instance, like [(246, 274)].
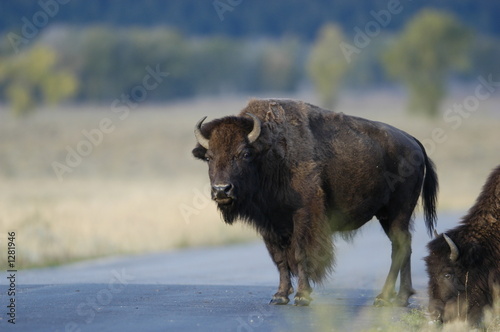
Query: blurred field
[(140, 189)]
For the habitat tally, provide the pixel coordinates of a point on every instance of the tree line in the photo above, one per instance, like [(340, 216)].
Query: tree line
[(241, 18), (102, 63), (106, 62)]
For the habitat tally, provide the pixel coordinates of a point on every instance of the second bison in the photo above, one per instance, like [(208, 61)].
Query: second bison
[(464, 263)]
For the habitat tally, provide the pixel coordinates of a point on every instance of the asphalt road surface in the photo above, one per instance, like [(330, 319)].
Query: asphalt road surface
[(208, 289)]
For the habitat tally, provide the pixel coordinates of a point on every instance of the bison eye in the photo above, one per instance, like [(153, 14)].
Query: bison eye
[(447, 275), (245, 155)]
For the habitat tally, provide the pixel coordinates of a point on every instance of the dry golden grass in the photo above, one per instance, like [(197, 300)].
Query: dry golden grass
[(140, 189)]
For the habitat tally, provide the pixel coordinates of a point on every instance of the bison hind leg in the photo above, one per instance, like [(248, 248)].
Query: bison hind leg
[(398, 231)]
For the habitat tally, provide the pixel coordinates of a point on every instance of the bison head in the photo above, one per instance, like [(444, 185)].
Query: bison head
[(231, 147), (458, 278), (447, 283)]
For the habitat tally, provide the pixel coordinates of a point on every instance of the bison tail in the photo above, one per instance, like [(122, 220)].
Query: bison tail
[(429, 193)]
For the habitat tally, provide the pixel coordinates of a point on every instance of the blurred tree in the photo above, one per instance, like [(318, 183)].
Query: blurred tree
[(365, 69), (99, 63), (327, 65), (432, 45), (278, 65), (32, 77), (485, 54), (215, 65), (112, 63)]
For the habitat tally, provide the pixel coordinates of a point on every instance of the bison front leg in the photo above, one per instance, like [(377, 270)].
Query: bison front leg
[(312, 247), (278, 255), (303, 296)]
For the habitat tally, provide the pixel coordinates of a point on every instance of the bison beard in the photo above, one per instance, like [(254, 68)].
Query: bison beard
[(298, 173), (464, 263)]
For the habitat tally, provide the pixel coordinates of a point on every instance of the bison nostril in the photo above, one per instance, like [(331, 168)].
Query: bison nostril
[(225, 189), (228, 189)]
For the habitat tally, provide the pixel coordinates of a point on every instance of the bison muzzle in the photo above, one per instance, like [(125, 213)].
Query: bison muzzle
[(299, 173)]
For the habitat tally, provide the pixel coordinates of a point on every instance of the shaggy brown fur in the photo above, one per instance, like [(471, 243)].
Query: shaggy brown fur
[(312, 172), (462, 287)]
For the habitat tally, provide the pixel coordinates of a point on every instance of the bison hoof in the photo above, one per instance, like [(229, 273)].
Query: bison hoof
[(302, 300), (381, 302), (279, 300)]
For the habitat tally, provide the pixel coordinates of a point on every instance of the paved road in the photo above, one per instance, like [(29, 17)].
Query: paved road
[(207, 289)]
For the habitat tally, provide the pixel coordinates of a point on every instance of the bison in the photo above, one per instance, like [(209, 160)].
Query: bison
[(464, 263), (299, 173)]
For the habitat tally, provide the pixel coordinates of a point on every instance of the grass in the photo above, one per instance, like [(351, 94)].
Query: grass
[(140, 190), (416, 320), (367, 318)]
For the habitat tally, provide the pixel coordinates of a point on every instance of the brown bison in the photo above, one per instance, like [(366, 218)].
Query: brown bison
[(297, 173), (464, 263)]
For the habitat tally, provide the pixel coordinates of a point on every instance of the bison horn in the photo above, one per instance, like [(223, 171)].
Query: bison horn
[(453, 248), (255, 133), (202, 140)]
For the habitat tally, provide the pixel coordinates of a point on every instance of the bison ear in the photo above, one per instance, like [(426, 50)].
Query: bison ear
[(199, 152)]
